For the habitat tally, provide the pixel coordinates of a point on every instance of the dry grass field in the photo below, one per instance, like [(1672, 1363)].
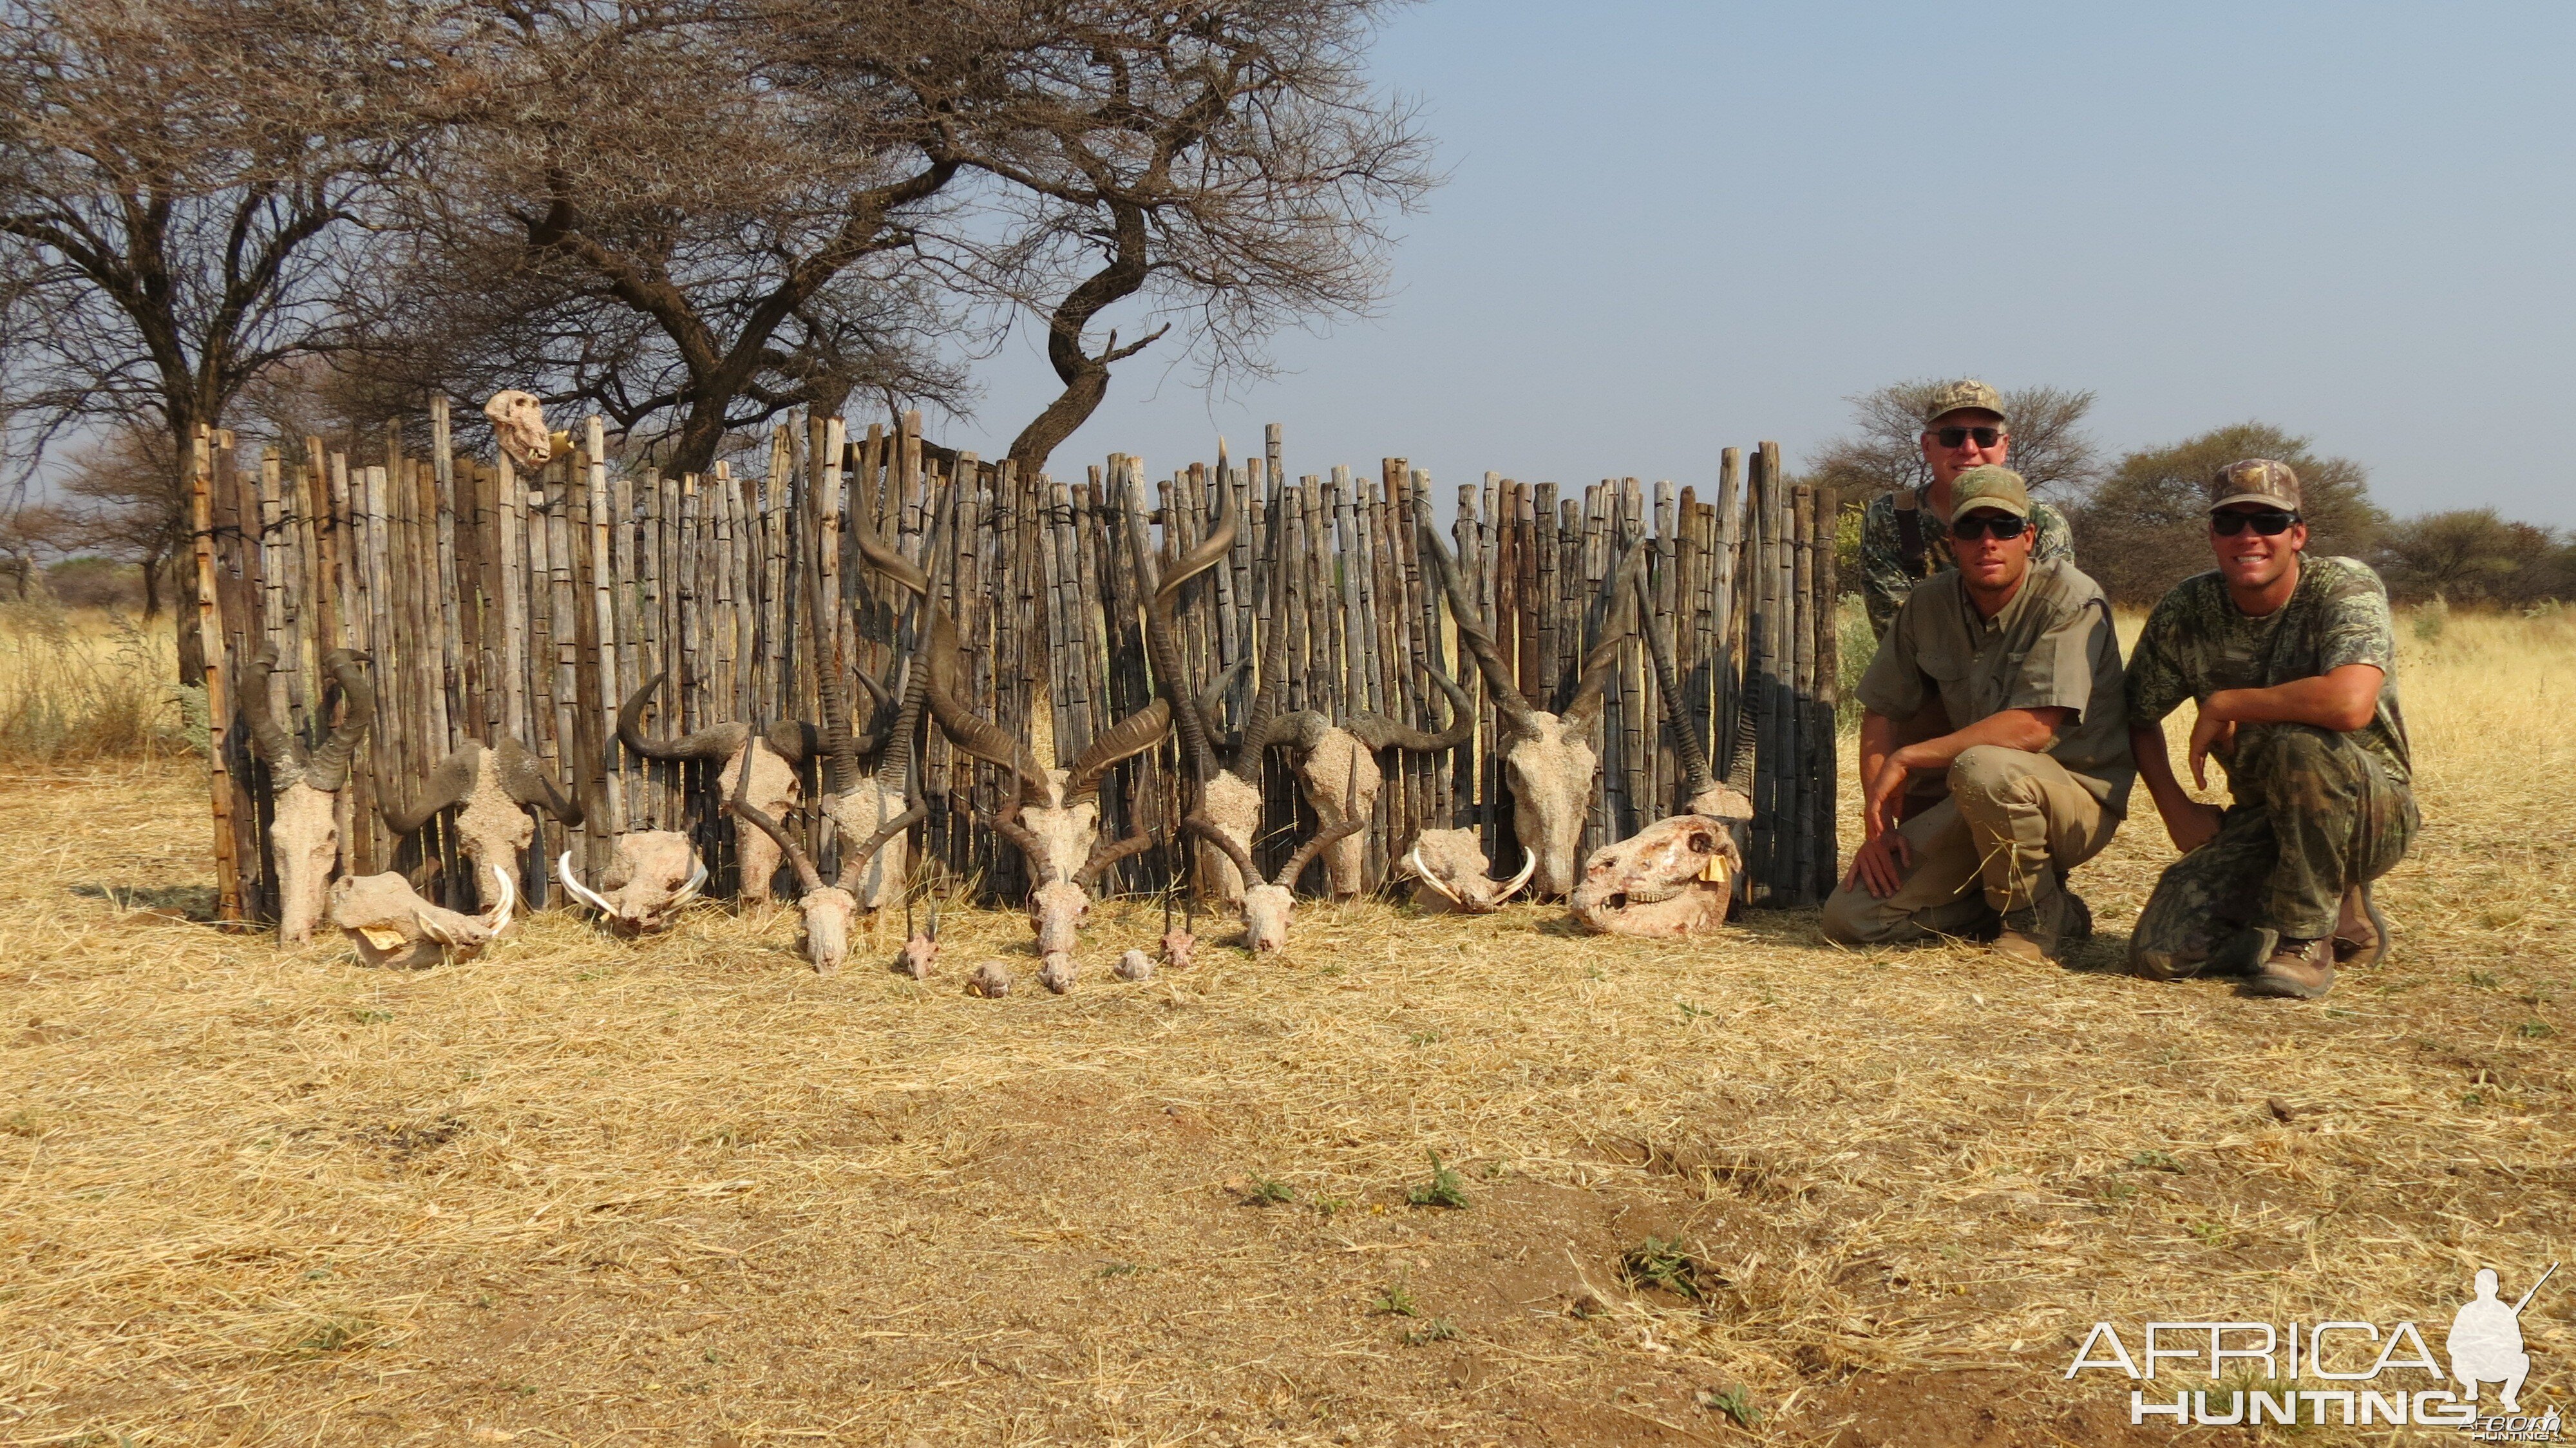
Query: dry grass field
[(1755, 1190)]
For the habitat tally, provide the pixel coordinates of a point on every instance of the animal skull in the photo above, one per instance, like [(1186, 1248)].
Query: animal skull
[(1450, 871), (393, 926), (1548, 757), (763, 765), (519, 428), (1670, 879), (828, 909), (495, 788), (1268, 904), (652, 879), (304, 830)]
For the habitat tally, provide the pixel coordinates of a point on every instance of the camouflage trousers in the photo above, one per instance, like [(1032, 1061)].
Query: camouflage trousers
[(2315, 814)]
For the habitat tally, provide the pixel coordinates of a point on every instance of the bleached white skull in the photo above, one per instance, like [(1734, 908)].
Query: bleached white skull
[(519, 428), (393, 926)]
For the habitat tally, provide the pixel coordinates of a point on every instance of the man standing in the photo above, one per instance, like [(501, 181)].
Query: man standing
[(2036, 780), (1905, 535), (2294, 663)]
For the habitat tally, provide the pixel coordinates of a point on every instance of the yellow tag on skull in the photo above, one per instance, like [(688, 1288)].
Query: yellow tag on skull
[(385, 937)]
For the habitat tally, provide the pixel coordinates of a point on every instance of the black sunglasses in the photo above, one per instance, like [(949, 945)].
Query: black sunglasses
[(1990, 525), (1953, 436), (2271, 523)]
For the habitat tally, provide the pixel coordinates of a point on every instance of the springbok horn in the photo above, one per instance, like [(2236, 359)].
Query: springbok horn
[(285, 758), (1621, 594), (509, 899), (572, 881), (1500, 685), (1659, 646), (716, 741), (329, 767), (1422, 872)]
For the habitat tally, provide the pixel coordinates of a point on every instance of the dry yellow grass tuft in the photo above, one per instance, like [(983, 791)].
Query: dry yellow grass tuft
[(1757, 1189), (89, 684)]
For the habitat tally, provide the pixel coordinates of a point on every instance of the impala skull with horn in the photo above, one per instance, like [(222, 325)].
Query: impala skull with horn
[(1549, 757), (393, 926), (493, 789), (1677, 875), (1053, 818), (828, 909), (304, 833), (1267, 904)]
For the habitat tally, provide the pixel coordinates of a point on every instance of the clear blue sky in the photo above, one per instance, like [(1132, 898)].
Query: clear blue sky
[(1673, 227)]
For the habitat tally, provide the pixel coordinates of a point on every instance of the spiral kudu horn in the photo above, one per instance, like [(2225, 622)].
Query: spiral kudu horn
[(1162, 643), (328, 768)]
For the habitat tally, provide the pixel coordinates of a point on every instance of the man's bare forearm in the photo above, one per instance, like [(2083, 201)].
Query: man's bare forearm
[(2155, 769), (2342, 699), (2028, 730), (1877, 741)]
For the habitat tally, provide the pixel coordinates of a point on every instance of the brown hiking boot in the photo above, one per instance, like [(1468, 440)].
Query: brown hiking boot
[(2361, 932), (2298, 969), (2043, 931)]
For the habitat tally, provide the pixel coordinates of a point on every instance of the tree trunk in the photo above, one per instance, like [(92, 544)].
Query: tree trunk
[(1086, 377), (153, 562)]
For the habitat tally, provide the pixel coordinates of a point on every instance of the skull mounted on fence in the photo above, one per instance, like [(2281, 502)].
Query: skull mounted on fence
[(519, 428)]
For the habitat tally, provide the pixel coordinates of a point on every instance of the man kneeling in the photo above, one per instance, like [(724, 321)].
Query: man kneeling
[(2039, 775)]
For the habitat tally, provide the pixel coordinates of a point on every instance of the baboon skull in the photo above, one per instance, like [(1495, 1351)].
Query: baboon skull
[(1450, 873), (653, 877), (1673, 878), (393, 926), (519, 428)]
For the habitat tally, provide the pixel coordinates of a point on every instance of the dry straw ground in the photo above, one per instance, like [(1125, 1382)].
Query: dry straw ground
[(1754, 1190)]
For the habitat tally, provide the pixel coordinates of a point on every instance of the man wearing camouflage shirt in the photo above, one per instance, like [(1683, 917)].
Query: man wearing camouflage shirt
[(1905, 535), (2293, 662)]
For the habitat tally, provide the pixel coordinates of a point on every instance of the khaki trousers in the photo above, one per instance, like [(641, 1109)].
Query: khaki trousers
[(2013, 825)]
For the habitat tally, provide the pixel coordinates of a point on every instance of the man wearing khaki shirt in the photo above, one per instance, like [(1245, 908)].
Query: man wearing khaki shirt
[(2037, 776)]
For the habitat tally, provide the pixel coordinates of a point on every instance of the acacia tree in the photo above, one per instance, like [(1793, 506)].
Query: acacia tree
[(859, 196), (126, 500), (1883, 452), (181, 187), (2471, 555)]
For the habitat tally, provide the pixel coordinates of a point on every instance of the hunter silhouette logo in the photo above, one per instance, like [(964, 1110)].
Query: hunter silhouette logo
[(2365, 1375), (2486, 1339)]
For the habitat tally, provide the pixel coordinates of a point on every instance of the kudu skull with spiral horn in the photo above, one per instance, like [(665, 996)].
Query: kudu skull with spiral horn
[(304, 833), (1053, 818), (1549, 757)]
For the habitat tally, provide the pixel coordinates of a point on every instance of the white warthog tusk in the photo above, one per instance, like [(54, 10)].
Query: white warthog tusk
[(509, 898), (572, 882), (1422, 872), (1529, 867)]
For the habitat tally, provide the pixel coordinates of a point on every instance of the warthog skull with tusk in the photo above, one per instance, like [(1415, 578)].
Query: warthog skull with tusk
[(1549, 757), (393, 926), (653, 877), (1677, 875), (1450, 874), (769, 760), (304, 832)]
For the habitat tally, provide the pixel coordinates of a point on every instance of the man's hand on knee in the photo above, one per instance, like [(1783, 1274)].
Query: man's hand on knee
[(1879, 865)]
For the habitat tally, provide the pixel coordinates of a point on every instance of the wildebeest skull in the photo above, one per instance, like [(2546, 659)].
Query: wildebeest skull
[(653, 877), (393, 926), (1338, 770), (769, 761), (1549, 758), (494, 789), (1672, 878), (519, 428), (1451, 874), (304, 832)]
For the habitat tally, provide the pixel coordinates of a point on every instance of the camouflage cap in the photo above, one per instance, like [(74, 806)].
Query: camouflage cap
[(1989, 486), (2255, 480), (1964, 393)]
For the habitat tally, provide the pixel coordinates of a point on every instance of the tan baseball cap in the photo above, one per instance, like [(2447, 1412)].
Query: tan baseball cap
[(2255, 480), (1965, 393), (1989, 486)]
